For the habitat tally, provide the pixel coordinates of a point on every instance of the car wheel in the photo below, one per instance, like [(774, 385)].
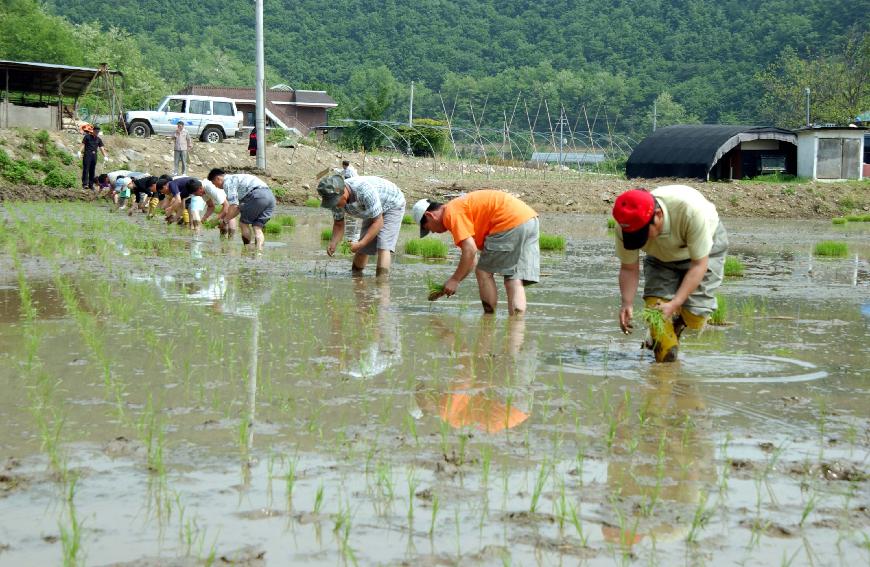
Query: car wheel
[(212, 135), (140, 129)]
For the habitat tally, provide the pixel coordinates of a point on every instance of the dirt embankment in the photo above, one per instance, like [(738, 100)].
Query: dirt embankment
[(292, 172)]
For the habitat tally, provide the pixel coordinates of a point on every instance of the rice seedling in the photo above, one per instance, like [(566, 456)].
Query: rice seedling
[(839, 220), (426, 247), (318, 498), (543, 473), (436, 503), (552, 242), (312, 202), (854, 218), (734, 267), (699, 519), (407, 219), (436, 289), (865, 218), (71, 537), (326, 234), (717, 317), (831, 249), (285, 220), (273, 228), (654, 320)]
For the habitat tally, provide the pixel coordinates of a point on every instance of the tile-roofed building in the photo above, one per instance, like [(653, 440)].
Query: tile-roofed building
[(286, 107)]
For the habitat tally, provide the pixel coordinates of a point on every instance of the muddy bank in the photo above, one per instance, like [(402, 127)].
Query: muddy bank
[(292, 172)]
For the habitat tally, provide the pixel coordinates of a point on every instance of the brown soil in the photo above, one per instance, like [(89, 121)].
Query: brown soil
[(293, 172)]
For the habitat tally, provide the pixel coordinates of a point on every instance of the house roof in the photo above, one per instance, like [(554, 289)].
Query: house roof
[(48, 79), (276, 94), (691, 150)]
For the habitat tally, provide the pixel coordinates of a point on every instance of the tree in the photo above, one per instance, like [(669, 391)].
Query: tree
[(668, 112), (370, 94)]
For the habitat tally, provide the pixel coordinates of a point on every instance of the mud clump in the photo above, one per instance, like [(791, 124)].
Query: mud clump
[(831, 471)]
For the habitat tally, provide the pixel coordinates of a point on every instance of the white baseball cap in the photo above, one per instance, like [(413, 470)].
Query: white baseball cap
[(417, 212)]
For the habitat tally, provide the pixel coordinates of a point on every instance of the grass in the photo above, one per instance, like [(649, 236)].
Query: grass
[(831, 249), (734, 268), (778, 178), (326, 234), (312, 202), (426, 247), (839, 220), (408, 219), (273, 228), (552, 242), (721, 311), (285, 220)]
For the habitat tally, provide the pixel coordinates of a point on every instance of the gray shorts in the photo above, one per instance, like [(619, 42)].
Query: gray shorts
[(514, 253), (257, 207), (662, 279), (389, 234)]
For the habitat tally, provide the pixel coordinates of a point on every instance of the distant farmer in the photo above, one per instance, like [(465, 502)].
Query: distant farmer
[(182, 144), (379, 203), (91, 142), (685, 247), (252, 143), (250, 199), (144, 188), (505, 231), (178, 191), (347, 170), (214, 198), (122, 188)]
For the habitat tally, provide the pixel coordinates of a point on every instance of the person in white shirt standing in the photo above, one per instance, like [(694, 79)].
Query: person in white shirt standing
[(182, 144), (348, 170), (249, 198)]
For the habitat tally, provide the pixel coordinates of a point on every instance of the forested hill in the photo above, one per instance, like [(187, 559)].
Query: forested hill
[(705, 53)]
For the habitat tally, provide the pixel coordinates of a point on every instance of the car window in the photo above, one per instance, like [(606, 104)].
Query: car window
[(174, 105), (223, 109), (200, 107)]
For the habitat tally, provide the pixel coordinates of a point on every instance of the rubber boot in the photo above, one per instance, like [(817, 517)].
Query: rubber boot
[(665, 345), (185, 217), (693, 321), (152, 206)]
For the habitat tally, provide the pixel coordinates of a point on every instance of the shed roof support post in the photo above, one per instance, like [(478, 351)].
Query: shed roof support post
[(59, 101), (6, 103)]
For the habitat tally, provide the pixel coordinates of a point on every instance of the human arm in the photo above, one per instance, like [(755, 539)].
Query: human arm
[(466, 264), (691, 281), (337, 235), (370, 234), (209, 209), (229, 212), (629, 277)]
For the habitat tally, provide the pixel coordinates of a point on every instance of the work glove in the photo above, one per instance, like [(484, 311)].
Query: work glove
[(79, 154), (107, 159)]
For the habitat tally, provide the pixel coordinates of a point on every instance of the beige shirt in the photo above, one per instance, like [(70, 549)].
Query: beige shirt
[(182, 140), (690, 221)]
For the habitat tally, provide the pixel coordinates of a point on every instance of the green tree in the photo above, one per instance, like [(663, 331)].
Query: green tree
[(668, 112), (370, 93), (29, 34)]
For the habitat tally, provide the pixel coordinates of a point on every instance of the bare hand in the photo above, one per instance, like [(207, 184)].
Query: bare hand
[(625, 314), (450, 287), (668, 309), (330, 250), (355, 247)]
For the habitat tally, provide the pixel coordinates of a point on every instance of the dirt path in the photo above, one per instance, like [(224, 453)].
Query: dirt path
[(292, 173)]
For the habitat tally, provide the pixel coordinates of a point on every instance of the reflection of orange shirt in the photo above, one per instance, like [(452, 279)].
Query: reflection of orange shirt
[(482, 213), (488, 415)]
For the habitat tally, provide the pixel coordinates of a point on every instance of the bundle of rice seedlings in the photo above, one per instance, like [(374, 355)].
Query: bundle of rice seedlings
[(611, 223), (426, 247), (654, 320), (344, 247), (210, 223), (552, 242), (272, 228), (854, 218), (734, 267), (326, 234), (839, 220), (436, 289), (718, 315), (285, 220), (831, 249), (312, 202), (407, 219)]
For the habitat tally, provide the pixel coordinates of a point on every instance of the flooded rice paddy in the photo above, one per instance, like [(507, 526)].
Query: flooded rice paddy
[(172, 400)]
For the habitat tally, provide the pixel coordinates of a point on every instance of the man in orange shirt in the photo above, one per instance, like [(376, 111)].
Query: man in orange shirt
[(502, 227)]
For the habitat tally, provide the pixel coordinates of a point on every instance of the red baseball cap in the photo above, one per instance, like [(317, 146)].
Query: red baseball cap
[(634, 211)]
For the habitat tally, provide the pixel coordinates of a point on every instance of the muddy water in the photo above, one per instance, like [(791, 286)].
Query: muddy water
[(203, 405)]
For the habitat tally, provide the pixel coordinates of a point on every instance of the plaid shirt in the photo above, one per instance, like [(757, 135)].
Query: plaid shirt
[(238, 185), (372, 196)]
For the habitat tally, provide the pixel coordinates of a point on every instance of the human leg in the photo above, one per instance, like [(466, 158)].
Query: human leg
[(176, 158), (516, 296), (358, 264), (385, 260), (387, 239), (488, 290), (246, 233)]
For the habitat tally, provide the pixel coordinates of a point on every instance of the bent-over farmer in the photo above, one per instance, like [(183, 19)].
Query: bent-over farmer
[(250, 199), (685, 245), (379, 203), (505, 231)]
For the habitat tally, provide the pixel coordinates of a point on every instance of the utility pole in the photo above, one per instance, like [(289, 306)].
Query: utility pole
[(655, 112), (563, 120), (411, 116), (807, 91), (260, 91)]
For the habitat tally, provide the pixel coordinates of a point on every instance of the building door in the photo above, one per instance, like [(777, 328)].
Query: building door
[(838, 158)]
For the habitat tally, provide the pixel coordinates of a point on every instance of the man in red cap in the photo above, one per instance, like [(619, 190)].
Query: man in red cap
[(685, 247)]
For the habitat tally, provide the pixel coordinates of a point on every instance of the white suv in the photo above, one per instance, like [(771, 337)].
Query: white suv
[(210, 118)]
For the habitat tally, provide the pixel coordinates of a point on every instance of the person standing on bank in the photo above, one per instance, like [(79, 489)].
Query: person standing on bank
[(91, 142), (250, 199), (347, 170), (685, 245), (379, 203), (182, 143), (505, 231)]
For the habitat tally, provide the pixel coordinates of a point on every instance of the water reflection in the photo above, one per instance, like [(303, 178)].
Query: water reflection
[(377, 324), (661, 460), (490, 378)]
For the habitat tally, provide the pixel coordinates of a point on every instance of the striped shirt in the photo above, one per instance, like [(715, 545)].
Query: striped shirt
[(371, 196), (238, 185)]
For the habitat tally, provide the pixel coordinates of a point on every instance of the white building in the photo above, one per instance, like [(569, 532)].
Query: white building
[(830, 152)]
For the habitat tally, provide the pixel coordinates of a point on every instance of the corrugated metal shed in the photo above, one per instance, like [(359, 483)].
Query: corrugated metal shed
[(47, 79)]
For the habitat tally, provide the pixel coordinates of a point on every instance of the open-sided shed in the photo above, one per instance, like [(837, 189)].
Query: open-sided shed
[(714, 151), (34, 93)]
